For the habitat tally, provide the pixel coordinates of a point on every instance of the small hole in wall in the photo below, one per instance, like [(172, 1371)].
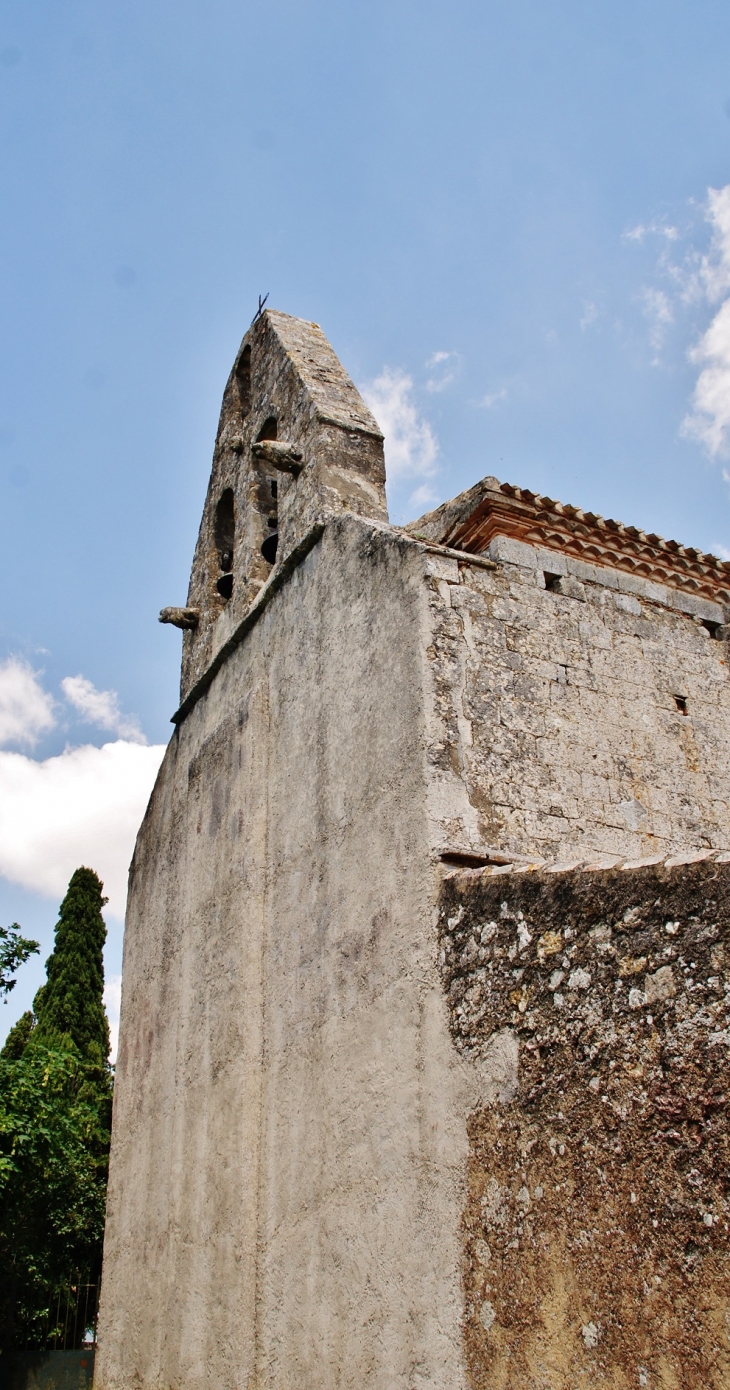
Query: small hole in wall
[(681, 703), (225, 586), (712, 628), (552, 581), (464, 859), (273, 484)]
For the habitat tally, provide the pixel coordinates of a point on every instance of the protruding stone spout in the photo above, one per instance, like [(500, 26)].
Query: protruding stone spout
[(278, 454), (180, 617)]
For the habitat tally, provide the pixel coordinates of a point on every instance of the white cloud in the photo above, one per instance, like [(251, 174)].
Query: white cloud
[(709, 419), (424, 497), (445, 366), (82, 807), (100, 707), (112, 1004), (411, 448), (657, 309), (590, 314), (681, 277), (651, 229), (493, 399), (26, 710), (715, 271)]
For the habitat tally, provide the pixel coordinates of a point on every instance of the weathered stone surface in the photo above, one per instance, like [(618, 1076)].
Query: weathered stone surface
[(596, 1221), (180, 617), (284, 457), (558, 727), (286, 385), (289, 1143), (313, 1109)]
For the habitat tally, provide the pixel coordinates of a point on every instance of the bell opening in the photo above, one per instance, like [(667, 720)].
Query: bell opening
[(268, 549)]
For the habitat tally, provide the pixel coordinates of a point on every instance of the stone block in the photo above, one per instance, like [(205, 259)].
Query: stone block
[(589, 574), (511, 552), (626, 603), (634, 584), (551, 561), (697, 607), (442, 567), (569, 587)]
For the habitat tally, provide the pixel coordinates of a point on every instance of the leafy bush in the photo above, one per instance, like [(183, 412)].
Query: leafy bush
[(55, 1121)]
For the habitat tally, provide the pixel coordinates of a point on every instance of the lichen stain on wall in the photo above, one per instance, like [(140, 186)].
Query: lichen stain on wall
[(596, 1222)]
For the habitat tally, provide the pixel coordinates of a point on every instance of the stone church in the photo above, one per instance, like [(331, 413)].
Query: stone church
[(422, 1079)]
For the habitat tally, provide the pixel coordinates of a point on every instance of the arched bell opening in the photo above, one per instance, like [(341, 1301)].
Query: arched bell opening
[(271, 514), (243, 379), (268, 430), (224, 531), (269, 547)]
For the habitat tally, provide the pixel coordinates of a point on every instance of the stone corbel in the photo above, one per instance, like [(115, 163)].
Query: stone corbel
[(180, 617), (278, 454)]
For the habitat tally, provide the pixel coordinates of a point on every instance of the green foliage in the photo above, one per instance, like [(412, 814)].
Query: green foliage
[(14, 949), (70, 1002), (18, 1038), (54, 1144), (55, 1121)]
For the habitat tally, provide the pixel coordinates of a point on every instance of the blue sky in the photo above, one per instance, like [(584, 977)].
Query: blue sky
[(500, 214)]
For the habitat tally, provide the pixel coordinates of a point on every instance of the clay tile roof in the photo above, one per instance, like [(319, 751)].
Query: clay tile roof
[(470, 521)]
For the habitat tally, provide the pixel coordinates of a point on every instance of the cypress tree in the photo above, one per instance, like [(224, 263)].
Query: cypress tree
[(70, 1002), (18, 1038), (55, 1120)]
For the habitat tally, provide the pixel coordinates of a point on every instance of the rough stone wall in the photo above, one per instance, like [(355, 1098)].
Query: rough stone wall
[(595, 1227), (297, 1138), (557, 728), (310, 1109), (293, 379), (289, 1150)]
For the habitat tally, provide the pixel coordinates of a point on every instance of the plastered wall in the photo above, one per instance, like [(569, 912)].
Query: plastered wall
[(289, 1150)]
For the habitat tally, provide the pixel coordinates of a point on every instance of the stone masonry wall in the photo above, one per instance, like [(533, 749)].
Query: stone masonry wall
[(289, 1148), (295, 383), (586, 719), (349, 1092), (595, 1226)]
